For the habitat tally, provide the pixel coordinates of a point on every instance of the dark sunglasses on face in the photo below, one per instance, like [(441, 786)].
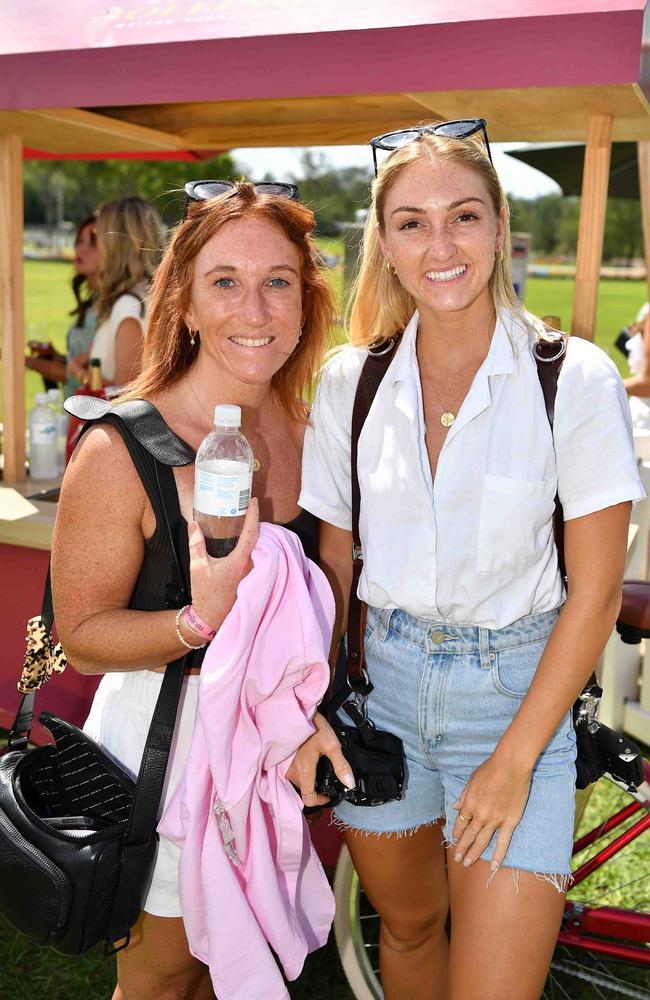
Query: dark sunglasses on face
[(203, 190), (461, 128)]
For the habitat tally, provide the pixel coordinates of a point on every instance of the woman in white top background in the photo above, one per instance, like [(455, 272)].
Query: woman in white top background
[(638, 384), (475, 652), (130, 239)]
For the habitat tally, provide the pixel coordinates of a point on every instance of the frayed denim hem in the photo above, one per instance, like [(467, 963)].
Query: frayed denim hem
[(398, 834)]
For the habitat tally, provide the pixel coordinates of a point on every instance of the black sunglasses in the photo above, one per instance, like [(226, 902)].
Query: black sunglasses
[(203, 190), (461, 128)]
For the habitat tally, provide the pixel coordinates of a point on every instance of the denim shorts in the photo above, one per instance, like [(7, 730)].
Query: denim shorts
[(449, 692)]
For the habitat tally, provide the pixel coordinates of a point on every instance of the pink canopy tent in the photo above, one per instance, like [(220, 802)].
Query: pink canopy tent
[(171, 78)]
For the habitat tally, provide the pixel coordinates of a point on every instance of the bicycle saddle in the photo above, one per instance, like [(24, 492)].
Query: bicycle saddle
[(633, 622)]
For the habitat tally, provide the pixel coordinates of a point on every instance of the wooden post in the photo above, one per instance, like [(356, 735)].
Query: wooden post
[(11, 296), (644, 188), (595, 180)]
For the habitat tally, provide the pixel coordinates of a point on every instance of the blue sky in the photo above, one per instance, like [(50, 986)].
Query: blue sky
[(517, 178)]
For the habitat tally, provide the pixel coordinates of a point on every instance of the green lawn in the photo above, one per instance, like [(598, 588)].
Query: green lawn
[(48, 300)]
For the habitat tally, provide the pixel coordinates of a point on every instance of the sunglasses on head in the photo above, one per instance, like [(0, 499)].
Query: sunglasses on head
[(204, 190), (461, 128)]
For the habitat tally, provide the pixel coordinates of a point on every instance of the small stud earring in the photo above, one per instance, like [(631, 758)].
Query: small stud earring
[(391, 269)]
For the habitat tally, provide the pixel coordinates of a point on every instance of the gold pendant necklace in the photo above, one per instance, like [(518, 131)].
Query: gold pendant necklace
[(257, 465), (447, 417)]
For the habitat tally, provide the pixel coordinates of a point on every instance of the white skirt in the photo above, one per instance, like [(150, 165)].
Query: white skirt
[(119, 721)]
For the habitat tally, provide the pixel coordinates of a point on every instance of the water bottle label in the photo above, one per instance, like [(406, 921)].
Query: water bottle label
[(43, 434), (222, 494)]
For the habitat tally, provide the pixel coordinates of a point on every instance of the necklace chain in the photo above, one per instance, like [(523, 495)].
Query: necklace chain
[(447, 417), (257, 465)]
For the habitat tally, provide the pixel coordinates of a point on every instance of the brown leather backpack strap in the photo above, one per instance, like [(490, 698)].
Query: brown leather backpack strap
[(374, 369), (550, 353)]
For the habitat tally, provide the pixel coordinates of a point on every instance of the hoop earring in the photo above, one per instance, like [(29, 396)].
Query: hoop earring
[(498, 255)]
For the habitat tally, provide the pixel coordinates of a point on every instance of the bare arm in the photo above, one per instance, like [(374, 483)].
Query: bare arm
[(97, 553), (128, 351), (595, 551), (495, 796), (639, 384), (50, 368)]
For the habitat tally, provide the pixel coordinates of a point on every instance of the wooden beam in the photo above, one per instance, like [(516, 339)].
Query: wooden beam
[(75, 130), (644, 187), (11, 294), (593, 204)]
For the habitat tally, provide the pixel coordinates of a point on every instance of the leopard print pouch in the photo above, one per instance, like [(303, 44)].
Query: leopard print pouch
[(42, 657)]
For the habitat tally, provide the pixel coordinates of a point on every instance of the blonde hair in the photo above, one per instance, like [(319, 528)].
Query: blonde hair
[(130, 236), (380, 306), (168, 352)]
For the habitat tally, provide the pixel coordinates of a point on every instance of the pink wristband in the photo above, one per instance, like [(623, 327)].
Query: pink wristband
[(197, 624)]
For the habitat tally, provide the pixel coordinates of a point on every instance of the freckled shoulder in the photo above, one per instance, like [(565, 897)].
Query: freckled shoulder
[(101, 476)]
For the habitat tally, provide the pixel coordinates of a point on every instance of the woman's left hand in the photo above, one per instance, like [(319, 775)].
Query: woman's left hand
[(494, 798), (302, 771)]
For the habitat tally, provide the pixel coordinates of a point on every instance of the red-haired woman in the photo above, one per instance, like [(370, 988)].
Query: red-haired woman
[(239, 314)]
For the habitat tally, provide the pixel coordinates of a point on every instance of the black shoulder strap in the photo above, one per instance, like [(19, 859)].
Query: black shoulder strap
[(372, 373), (143, 420), (549, 353)]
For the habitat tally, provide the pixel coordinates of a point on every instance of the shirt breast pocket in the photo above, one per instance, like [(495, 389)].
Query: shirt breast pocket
[(515, 522)]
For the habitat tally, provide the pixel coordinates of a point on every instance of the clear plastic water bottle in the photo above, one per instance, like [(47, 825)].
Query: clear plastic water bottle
[(62, 421), (42, 440), (223, 478)]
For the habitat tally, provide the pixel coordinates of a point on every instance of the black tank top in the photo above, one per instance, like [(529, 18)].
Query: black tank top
[(164, 578)]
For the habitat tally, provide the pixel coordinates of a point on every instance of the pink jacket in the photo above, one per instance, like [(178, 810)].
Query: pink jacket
[(249, 876)]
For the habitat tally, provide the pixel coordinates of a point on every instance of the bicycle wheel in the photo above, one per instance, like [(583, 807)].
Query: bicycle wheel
[(356, 929), (610, 909)]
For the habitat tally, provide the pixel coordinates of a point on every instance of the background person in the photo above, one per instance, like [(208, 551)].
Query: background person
[(475, 652), (130, 238), (240, 314), (638, 356), (46, 359)]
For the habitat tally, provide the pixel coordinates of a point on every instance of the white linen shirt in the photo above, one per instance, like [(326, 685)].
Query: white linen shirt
[(475, 546)]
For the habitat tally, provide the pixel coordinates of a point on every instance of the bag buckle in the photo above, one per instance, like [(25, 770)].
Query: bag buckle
[(587, 713), (112, 949), (18, 740)]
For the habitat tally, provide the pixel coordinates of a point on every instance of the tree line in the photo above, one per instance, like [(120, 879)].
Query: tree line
[(57, 190)]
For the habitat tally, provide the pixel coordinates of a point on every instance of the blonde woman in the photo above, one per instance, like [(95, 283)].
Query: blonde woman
[(474, 650), (130, 237)]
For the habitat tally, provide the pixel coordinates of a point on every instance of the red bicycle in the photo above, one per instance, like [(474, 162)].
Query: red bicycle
[(603, 948)]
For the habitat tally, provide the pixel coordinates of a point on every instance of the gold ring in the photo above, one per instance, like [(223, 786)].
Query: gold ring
[(463, 819)]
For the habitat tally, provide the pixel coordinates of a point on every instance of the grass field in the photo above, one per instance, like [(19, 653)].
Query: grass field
[(48, 300)]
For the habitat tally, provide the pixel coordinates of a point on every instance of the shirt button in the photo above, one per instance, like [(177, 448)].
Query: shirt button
[(438, 738), (438, 637)]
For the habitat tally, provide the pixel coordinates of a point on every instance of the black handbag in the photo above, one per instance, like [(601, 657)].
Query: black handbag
[(78, 836)]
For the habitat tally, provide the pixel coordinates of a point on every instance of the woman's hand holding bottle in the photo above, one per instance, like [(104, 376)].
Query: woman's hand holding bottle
[(213, 581)]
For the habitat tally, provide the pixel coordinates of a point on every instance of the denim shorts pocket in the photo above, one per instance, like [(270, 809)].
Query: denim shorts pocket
[(513, 668)]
